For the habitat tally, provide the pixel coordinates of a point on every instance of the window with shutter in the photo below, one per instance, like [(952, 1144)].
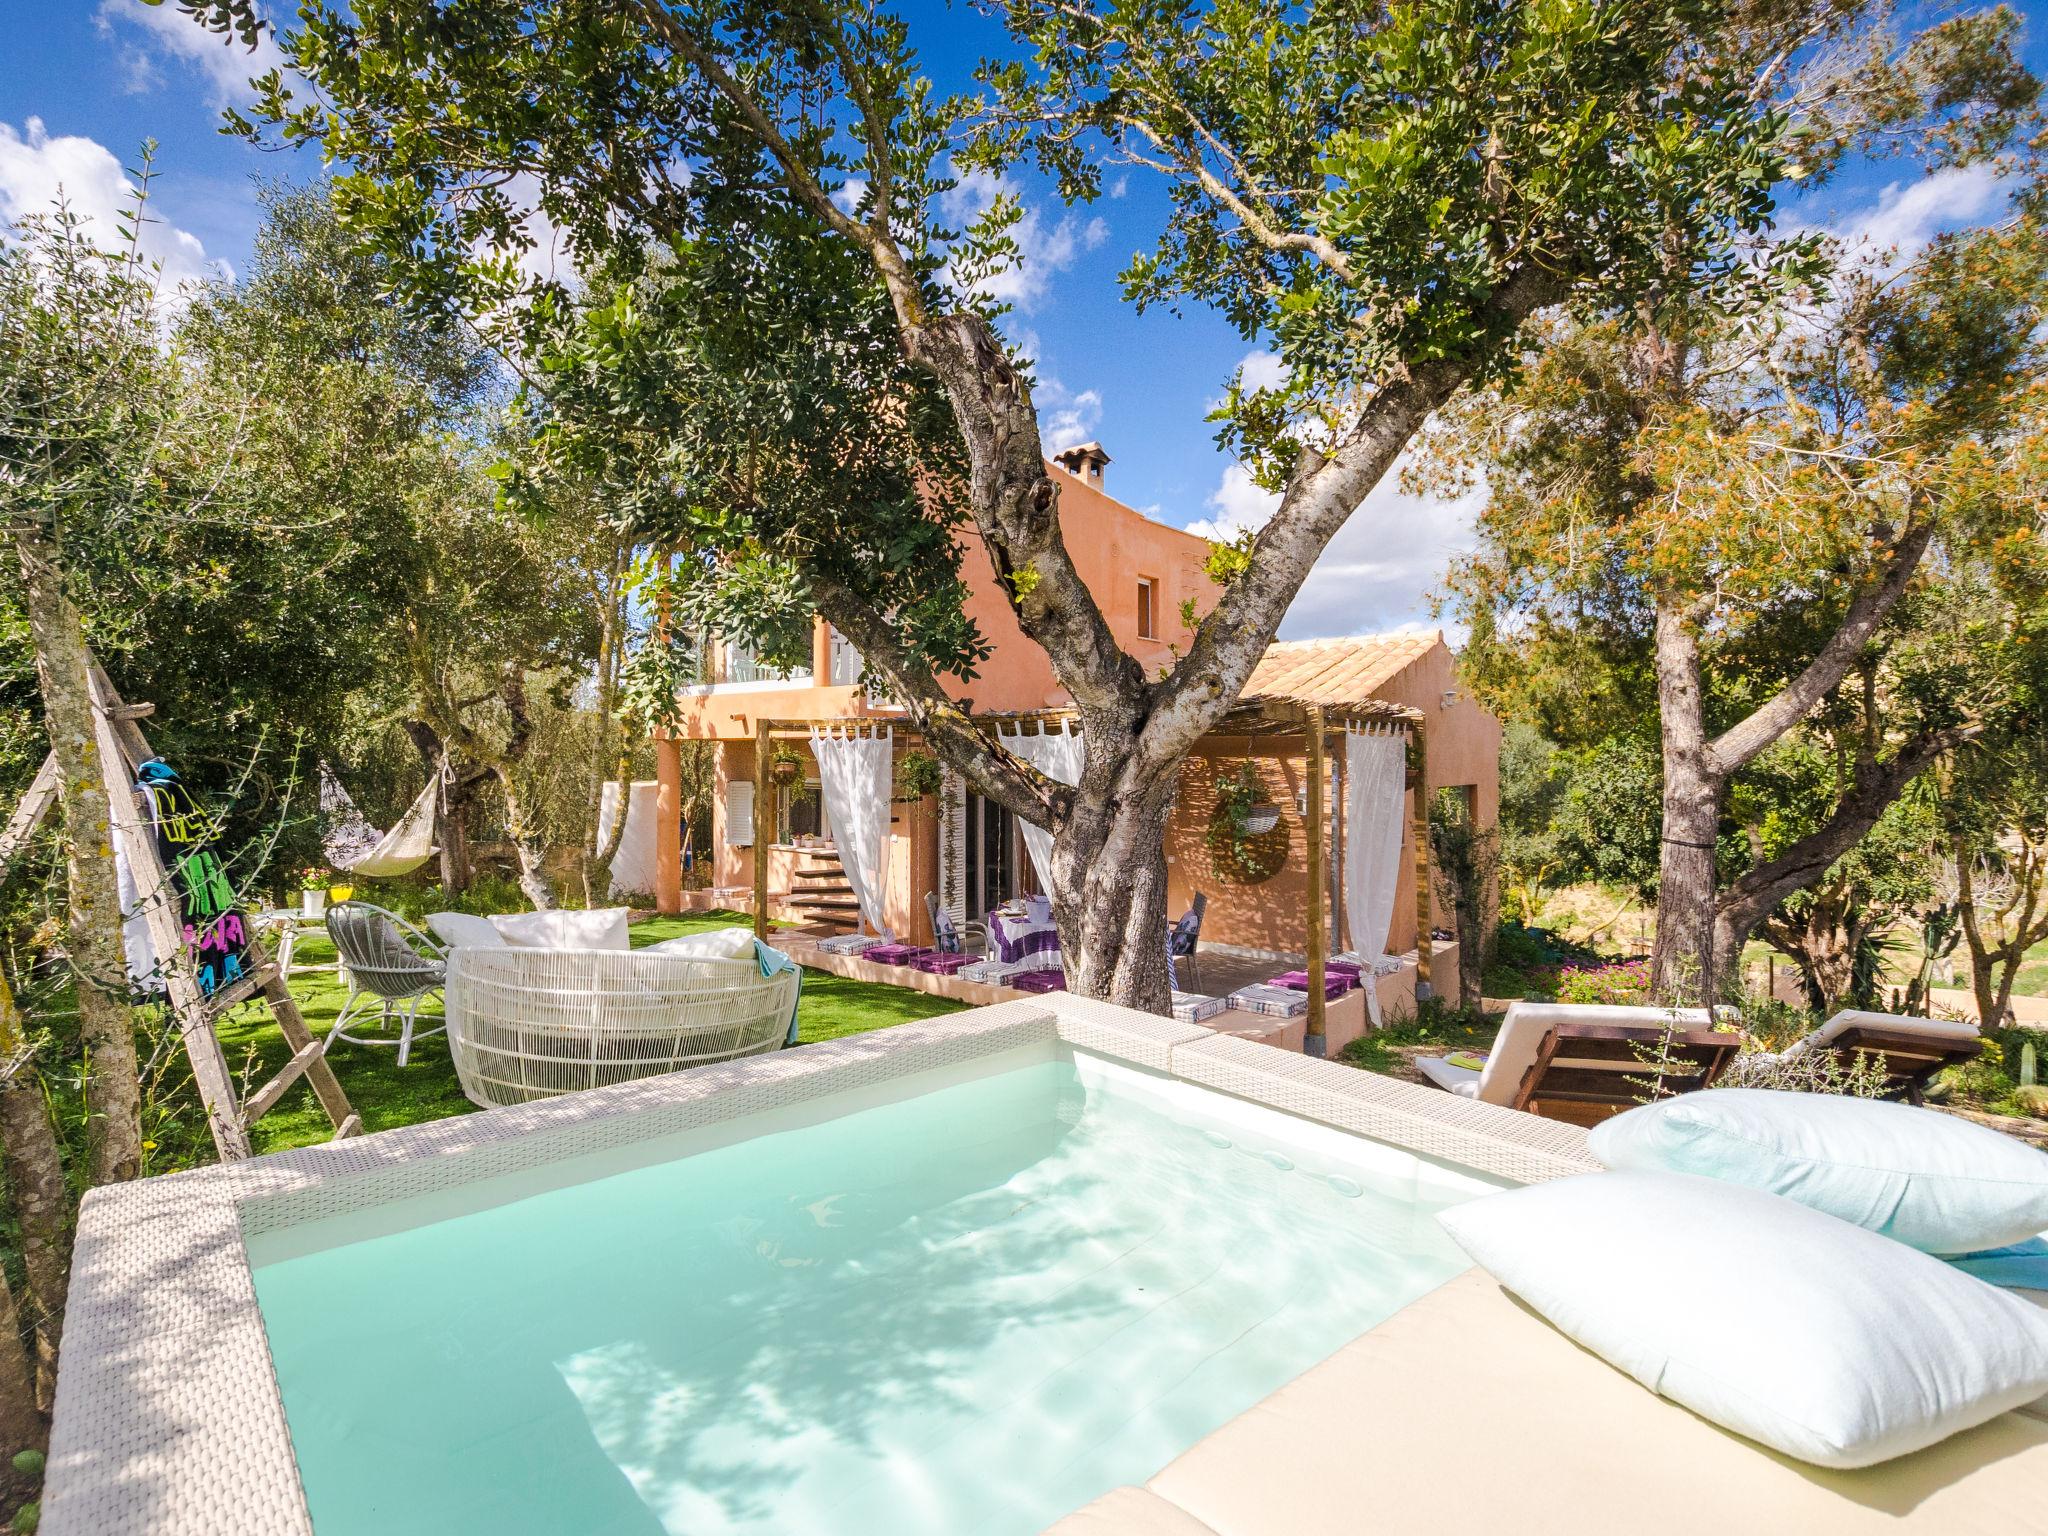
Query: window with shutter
[(739, 814)]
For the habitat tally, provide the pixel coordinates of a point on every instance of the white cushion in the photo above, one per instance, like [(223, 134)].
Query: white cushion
[(1932, 1181), (1942, 1031), (717, 944), (1815, 1337), (1462, 1081), (459, 930), (599, 928)]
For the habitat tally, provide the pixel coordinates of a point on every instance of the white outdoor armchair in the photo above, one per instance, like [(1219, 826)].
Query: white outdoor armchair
[(528, 1024)]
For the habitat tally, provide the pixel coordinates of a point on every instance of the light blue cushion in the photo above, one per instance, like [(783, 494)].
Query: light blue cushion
[(1930, 1180)]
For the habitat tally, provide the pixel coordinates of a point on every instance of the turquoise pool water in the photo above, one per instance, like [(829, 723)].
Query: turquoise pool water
[(963, 1314)]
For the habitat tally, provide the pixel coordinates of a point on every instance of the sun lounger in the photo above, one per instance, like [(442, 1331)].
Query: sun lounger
[(1466, 1413), (1585, 1061), (1914, 1049)]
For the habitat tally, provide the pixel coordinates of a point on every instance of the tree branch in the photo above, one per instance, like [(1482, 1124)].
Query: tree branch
[(1741, 742)]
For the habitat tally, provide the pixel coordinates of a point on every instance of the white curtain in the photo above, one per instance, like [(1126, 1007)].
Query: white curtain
[(1375, 786), (633, 864), (857, 778), (1058, 755)]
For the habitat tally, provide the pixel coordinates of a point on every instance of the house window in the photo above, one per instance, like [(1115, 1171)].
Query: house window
[(1148, 608)]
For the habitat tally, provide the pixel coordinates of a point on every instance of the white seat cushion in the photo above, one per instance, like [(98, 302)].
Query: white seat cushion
[(718, 944), (1857, 1349), (1462, 1081), (1924, 1178), (599, 928), (1939, 1030), (460, 930)]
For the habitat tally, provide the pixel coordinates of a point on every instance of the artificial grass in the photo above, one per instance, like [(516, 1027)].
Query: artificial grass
[(387, 1096)]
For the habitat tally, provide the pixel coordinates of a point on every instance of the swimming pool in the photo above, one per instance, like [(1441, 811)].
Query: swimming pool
[(957, 1276), (967, 1311)]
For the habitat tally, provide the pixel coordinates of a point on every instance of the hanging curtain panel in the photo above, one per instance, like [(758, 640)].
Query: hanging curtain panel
[(1375, 789), (633, 865), (1058, 754), (856, 776)]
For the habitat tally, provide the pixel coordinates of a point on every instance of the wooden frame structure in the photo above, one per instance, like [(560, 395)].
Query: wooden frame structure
[(1250, 718), (1584, 1073), (122, 749)]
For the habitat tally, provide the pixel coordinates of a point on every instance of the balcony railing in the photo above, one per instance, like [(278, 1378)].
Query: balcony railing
[(743, 666)]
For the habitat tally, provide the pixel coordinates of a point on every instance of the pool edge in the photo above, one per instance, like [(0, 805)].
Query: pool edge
[(168, 1416)]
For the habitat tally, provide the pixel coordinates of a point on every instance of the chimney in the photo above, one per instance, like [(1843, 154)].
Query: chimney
[(1084, 461)]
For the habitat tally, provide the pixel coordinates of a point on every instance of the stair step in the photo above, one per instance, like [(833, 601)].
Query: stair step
[(825, 872), (829, 899)]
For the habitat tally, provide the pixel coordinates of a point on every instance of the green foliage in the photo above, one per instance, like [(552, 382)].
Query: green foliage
[(1389, 171), (1237, 852), (918, 774), (1229, 559), (1436, 1025), (28, 1463)]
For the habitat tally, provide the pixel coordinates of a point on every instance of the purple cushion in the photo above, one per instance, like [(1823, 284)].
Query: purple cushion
[(939, 964), (1333, 986), (894, 954), (1040, 981)]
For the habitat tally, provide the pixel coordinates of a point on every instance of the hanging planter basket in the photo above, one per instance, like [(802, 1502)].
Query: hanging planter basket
[(1241, 858), (1261, 819), (786, 768)]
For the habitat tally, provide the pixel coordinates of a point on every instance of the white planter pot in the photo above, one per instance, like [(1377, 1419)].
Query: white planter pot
[(313, 903)]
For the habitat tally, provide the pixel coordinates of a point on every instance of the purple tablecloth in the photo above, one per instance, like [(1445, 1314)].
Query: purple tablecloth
[(1014, 938)]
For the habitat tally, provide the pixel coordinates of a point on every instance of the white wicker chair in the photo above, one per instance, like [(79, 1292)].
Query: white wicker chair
[(528, 1024)]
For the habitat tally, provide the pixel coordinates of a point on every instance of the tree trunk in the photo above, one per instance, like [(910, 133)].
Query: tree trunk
[(1109, 897), (35, 1184), (527, 845), (1683, 963), (22, 1425), (113, 1092)]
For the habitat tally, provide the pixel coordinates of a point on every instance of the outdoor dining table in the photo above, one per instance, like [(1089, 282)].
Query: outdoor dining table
[(1015, 938)]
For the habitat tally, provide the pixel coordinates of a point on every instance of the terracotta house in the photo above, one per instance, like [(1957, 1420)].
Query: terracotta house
[(969, 851)]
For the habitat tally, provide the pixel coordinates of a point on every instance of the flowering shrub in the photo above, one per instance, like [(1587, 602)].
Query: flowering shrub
[(315, 877), (1625, 983)]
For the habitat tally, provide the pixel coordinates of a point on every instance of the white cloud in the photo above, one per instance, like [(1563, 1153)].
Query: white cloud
[(1906, 216), (36, 169), (847, 198), (1262, 370), (1066, 418), (148, 35), (1379, 572), (1240, 504), (1045, 247), (1121, 186)]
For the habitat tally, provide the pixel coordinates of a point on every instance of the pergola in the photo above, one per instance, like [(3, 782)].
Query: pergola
[(1268, 716)]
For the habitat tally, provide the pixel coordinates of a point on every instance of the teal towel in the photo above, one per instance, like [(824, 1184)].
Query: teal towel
[(773, 961), (2023, 1266)]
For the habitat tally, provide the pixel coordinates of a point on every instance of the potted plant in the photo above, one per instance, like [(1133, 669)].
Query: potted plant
[(1247, 844), (786, 766), (313, 883), (1242, 796), (918, 774)]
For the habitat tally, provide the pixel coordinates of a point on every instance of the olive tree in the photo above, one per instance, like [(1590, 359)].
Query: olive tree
[(1387, 194)]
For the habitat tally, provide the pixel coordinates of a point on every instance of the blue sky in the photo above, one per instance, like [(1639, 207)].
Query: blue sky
[(88, 80)]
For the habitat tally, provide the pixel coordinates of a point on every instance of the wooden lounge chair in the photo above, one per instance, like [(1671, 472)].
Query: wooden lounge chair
[(1582, 1062), (1914, 1049)]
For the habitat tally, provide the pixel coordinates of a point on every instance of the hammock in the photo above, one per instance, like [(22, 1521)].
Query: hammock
[(353, 844)]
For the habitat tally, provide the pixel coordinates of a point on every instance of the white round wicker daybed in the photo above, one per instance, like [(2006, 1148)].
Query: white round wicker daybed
[(532, 1023)]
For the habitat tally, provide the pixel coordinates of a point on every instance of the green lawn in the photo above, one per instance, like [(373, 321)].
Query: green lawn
[(386, 1096)]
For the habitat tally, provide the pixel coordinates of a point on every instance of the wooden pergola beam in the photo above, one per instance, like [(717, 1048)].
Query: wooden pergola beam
[(1315, 1041)]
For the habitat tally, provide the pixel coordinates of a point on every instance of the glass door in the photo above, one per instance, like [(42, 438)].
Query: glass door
[(994, 856)]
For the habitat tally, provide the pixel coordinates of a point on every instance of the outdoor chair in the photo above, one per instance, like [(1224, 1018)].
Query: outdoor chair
[(968, 938), (529, 1023), (391, 966), (1913, 1049), (1584, 1062), (1181, 941)]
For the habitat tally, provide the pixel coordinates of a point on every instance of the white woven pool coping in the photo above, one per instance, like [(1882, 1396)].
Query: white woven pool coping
[(168, 1416)]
